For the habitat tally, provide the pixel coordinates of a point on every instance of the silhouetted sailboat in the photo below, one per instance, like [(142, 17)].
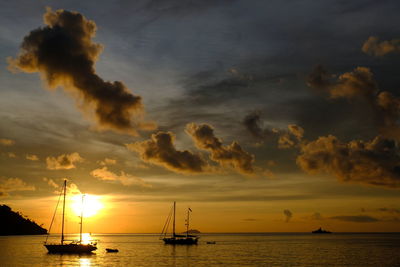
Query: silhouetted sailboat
[(69, 246), (176, 239)]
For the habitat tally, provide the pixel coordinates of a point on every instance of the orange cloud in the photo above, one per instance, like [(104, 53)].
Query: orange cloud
[(32, 157), (375, 48), (63, 162), (51, 182), (6, 142), (359, 82), (160, 150), (124, 178), (232, 155), (107, 161), (292, 137), (11, 155), (72, 189), (12, 185), (375, 162)]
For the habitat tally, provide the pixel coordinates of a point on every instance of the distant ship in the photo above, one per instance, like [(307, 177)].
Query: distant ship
[(69, 246), (178, 239), (321, 231)]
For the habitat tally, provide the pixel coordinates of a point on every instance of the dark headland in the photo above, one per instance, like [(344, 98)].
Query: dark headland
[(14, 223)]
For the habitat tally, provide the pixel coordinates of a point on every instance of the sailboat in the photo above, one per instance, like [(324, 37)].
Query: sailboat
[(69, 246), (178, 239)]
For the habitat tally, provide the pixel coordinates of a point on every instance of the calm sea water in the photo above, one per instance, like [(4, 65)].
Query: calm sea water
[(229, 250)]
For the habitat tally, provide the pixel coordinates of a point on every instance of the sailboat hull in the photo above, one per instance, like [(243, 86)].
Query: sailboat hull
[(181, 241), (70, 248)]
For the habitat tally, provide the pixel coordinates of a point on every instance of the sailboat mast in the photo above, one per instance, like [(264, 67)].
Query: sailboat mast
[(173, 222), (62, 228), (187, 223), (80, 232)]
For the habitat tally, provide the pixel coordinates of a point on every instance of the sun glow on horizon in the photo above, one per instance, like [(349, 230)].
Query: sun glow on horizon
[(86, 238), (90, 206)]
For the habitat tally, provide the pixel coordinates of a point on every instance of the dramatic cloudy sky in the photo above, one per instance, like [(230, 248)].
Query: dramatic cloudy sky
[(261, 116)]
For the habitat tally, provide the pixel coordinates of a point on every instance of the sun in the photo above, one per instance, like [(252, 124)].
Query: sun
[(90, 205)]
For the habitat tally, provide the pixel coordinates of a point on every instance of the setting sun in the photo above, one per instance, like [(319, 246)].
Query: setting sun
[(90, 204)]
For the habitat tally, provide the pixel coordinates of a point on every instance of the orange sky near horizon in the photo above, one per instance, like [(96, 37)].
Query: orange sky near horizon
[(208, 217)]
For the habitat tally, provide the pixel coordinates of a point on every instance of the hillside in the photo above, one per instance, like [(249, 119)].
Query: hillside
[(13, 223)]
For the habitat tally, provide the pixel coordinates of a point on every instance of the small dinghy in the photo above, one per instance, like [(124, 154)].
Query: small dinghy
[(211, 242), (112, 250)]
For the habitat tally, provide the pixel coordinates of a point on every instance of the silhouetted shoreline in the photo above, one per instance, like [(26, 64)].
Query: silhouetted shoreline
[(14, 223)]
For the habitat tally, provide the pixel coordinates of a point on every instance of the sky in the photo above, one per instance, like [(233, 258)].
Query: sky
[(261, 116)]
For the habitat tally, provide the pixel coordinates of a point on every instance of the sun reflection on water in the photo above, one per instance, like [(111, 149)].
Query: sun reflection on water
[(86, 238), (84, 262)]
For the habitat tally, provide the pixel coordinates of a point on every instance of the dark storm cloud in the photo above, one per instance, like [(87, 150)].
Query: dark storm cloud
[(285, 138), (183, 8), (213, 86), (288, 214), (205, 92), (254, 47), (232, 155), (356, 218), (375, 162), (160, 150), (378, 48), (252, 122), (319, 78), (64, 54), (361, 84)]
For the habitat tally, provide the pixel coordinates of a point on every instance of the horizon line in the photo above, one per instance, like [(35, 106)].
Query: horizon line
[(152, 233)]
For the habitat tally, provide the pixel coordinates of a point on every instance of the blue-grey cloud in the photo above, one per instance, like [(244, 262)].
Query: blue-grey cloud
[(361, 84), (288, 215), (356, 218)]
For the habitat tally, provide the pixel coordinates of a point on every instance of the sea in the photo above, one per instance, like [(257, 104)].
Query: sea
[(250, 249)]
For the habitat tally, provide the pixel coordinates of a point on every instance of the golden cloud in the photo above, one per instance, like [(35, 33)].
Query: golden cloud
[(63, 162), (124, 178)]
